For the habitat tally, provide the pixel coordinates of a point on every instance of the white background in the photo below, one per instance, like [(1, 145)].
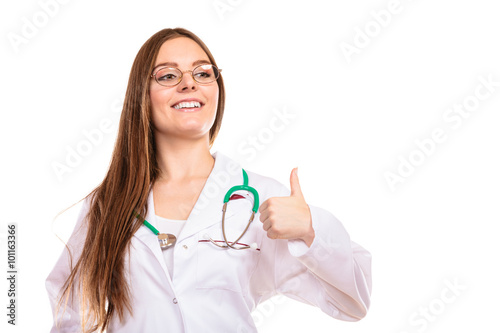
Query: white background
[(353, 120)]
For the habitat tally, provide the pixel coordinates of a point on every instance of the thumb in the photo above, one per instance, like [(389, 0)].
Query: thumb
[(294, 184)]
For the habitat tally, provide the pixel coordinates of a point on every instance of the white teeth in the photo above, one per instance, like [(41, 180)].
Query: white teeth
[(183, 105)]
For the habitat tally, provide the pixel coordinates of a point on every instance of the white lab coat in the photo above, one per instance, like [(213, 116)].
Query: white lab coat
[(214, 289)]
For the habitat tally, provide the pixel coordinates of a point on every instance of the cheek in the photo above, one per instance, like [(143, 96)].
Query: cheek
[(156, 97), (214, 95), (158, 100)]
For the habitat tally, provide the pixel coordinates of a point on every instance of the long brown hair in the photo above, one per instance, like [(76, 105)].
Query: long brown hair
[(99, 274)]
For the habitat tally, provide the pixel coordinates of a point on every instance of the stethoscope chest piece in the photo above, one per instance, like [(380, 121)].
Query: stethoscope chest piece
[(166, 240)]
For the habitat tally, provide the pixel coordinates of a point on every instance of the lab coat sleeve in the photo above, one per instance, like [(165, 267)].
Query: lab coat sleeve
[(333, 274), (68, 318)]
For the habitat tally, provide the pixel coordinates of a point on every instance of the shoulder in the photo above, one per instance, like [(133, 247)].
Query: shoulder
[(267, 186), (80, 229)]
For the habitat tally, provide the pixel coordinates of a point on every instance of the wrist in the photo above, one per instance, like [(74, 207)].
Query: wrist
[(309, 237)]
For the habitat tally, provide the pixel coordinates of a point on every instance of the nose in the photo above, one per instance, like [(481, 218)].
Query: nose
[(187, 82)]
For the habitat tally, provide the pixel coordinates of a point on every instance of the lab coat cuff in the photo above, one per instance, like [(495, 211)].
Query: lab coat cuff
[(297, 247)]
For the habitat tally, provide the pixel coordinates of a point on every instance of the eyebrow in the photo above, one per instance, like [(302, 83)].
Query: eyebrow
[(174, 64)]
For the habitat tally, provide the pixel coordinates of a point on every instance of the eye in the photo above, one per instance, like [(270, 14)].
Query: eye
[(168, 77), (203, 75)]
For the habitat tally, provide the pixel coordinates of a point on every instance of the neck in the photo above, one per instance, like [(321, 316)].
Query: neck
[(181, 160)]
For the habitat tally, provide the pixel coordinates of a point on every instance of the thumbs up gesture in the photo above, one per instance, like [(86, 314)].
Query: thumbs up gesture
[(288, 217)]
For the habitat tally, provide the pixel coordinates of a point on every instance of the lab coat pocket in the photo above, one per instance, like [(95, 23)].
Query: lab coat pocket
[(227, 268)]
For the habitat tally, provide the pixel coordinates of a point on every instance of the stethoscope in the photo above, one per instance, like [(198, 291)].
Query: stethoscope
[(168, 240)]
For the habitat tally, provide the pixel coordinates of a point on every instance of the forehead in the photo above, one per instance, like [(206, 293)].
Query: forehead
[(181, 50)]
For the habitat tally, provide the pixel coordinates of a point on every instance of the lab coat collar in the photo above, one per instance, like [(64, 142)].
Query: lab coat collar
[(208, 208)]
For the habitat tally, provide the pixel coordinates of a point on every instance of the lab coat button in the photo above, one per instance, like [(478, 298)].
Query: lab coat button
[(185, 246), (174, 300)]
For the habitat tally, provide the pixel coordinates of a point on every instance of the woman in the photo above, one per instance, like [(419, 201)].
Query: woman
[(163, 179)]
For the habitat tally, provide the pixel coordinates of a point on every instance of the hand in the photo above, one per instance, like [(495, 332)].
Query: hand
[(288, 217)]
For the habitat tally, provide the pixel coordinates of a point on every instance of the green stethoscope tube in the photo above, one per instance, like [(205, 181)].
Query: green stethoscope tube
[(244, 187), (149, 225)]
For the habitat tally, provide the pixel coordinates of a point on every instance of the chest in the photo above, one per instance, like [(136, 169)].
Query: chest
[(176, 200), (197, 263)]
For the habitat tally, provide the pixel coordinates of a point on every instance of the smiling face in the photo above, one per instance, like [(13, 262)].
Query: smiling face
[(175, 111)]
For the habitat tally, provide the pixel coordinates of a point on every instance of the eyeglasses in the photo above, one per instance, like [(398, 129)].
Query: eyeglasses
[(171, 76)]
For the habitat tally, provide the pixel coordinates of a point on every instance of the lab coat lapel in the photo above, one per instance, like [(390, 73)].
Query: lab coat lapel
[(145, 235), (208, 208)]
